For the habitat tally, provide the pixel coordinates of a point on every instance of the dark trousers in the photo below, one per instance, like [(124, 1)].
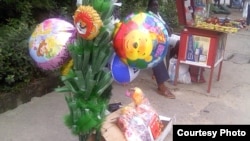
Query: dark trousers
[(160, 72), (248, 14)]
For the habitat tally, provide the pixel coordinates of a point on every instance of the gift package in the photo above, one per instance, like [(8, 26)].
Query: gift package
[(137, 121)]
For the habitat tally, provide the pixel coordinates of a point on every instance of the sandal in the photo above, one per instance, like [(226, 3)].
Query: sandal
[(165, 92)]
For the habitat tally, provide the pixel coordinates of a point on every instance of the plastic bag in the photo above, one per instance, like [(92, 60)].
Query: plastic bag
[(173, 40), (133, 126), (245, 9), (184, 75)]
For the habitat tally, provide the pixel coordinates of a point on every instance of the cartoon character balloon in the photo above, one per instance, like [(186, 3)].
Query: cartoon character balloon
[(122, 73), (47, 44), (87, 22), (141, 41)]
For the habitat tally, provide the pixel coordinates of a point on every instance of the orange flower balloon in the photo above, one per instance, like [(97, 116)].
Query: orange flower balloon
[(87, 22)]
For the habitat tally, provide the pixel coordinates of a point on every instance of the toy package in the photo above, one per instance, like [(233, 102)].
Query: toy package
[(140, 121)]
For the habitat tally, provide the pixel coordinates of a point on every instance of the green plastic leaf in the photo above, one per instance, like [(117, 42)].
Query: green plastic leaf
[(69, 99), (97, 4), (87, 122), (107, 9), (104, 82), (72, 86), (109, 82), (81, 103), (86, 59), (94, 57), (79, 62), (89, 74), (106, 59), (89, 44), (86, 2), (62, 89), (68, 121), (98, 61), (99, 75), (99, 36), (69, 76)]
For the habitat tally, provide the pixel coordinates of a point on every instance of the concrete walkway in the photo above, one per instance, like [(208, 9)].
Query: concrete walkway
[(227, 103)]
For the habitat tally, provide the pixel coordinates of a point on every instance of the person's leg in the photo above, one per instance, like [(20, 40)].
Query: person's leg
[(160, 72), (161, 76), (248, 14), (167, 58)]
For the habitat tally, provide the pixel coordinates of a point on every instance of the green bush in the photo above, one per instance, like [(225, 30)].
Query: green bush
[(167, 9), (16, 26), (168, 12), (15, 63)]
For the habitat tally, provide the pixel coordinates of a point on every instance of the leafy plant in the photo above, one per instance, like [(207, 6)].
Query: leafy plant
[(16, 66), (167, 9), (168, 12), (15, 63)]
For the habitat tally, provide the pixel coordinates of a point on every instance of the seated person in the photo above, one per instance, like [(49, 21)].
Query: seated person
[(160, 71)]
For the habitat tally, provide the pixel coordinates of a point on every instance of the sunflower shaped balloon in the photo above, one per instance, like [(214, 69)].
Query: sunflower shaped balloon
[(87, 22)]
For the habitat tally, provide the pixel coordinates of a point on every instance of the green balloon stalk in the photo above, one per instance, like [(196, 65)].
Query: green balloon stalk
[(88, 83)]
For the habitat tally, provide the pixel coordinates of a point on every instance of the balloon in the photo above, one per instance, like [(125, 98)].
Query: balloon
[(121, 72), (47, 44), (87, 22), (141, 41)]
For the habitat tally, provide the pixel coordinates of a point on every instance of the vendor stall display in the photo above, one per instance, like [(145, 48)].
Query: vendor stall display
[(203, 39), (196, 13)]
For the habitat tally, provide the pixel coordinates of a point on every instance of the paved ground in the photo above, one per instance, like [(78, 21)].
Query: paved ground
[(227, 103)]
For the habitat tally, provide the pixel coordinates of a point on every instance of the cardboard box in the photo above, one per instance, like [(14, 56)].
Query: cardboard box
[(111, 132)]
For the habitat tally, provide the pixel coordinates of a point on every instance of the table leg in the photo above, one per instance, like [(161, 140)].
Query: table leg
[(199, 75), (219, 73), (176, 72), (210, 79)]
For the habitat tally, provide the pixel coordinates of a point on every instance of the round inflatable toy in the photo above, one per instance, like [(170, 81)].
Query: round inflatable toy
[(141, 41), (48, 43), (87, 22), (121, 72)]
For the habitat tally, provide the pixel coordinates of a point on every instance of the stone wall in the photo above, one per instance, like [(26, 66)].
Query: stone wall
[(37, 88)]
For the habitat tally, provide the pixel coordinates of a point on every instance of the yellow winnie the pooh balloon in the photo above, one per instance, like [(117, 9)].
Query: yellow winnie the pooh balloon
[(141, 41)]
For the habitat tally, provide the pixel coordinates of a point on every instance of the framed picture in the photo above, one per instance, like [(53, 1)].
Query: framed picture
[(197, 48)]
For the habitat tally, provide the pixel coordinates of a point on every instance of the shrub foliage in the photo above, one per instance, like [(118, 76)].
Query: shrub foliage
[(167, 9), (16, 26)]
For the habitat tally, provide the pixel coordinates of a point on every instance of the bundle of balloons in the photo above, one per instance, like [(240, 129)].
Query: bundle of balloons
[(140, 42)]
